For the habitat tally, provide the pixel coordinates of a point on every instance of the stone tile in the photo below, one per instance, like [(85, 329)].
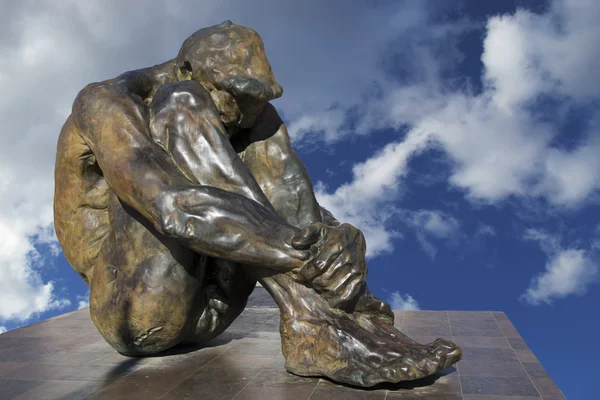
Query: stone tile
[(518, 344), (20, 355), (506, 386), (94, 372), (431, 315), (535, 370), (499, 316), (547, 388), (9, 366), (470, 315), (63, 390), (481, 341), (424, 396), (492, 397), (488, 354), (114, 358), (176, 367), (340, 392), (10, 389), (74, 372), (66, 358), (94, 345), (467, 327), (439, 331), (263, 335), (149, 390), (508, 329), (277, 376), (256, 347), (492, 368), (526, 356), (235, 360), (424, 323), (13, 342), (381, 388), (33, 372), (293, 392), (72, 356), (474, 323), (218, 384), (522, 351), (446, 382)]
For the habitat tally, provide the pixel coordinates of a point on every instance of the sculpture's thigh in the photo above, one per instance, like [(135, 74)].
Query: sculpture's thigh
[(146, 289)]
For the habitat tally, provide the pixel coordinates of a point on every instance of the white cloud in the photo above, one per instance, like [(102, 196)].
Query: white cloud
[(429, 224), (568, 271), (403, 302), (549, 243), (83, 301), (364, 202), (436, 223), (328, 123), (2, 329), (485, 230), (498, 145)]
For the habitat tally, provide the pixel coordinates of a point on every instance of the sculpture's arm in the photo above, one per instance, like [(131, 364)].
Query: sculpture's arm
[(279, 171), (338, 269), (209, 220)]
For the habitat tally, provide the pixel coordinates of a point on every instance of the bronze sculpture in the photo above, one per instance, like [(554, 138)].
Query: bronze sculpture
[(177, 189)]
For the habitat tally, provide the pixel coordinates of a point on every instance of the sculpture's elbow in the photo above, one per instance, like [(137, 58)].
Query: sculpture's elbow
[(185, 214)]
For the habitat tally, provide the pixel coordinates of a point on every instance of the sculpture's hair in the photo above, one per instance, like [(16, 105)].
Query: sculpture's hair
[(230, 57)]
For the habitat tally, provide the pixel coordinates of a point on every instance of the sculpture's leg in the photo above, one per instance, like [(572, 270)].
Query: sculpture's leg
[(148, 293), (356, 348), (360, 347)]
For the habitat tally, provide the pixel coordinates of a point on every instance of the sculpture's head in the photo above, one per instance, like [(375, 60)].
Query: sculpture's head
[(230, 62)]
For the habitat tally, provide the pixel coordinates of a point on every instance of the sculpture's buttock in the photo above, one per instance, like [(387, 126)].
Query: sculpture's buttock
[(147, 292)]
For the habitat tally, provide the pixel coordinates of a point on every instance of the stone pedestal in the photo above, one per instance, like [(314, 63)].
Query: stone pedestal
[(65, 358)]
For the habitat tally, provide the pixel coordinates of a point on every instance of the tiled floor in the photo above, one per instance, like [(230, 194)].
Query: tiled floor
[(65, 358)]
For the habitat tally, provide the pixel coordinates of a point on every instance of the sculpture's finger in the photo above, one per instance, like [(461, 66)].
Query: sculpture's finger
[(352, 289), (344, 260), (320, 264), (346, 293), (307, 236)]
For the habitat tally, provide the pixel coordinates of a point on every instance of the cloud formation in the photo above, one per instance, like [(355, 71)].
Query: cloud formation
[(403, 302), (499, 145), (365, 201), (569, 271), (431, 224)]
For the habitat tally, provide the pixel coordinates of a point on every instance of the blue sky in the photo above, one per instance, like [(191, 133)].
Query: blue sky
[(460, 136)]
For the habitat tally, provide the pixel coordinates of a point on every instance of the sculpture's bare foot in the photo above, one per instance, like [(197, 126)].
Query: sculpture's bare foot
[(360, 349)]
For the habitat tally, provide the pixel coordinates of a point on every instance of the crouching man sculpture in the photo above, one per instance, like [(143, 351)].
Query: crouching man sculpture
[(177, 189)]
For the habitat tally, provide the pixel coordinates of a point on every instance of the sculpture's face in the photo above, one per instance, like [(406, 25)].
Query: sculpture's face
[(230, 61)]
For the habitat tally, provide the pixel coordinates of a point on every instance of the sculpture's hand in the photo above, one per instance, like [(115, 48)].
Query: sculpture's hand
[(337, 269)]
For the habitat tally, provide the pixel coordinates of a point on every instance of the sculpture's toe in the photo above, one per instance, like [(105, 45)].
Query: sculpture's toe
[(447, 352)]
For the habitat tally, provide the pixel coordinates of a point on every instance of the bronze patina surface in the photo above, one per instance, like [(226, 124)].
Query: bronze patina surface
[(177, 189)]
